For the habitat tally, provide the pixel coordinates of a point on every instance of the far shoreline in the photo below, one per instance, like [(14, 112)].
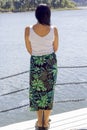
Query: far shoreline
[(53, 9), (82, 7)]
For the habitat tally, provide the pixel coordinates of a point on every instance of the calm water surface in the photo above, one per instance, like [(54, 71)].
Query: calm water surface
[(14, 59)]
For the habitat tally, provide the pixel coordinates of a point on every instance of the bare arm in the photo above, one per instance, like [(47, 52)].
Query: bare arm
[(56, 40), (27, 42)]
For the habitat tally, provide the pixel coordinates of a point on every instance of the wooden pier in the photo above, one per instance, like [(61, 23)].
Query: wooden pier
[(73, 120)]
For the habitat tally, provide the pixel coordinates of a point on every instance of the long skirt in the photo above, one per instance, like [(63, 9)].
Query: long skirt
[(43, 74)]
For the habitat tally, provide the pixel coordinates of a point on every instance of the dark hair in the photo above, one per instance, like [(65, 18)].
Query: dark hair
[(43, 14)]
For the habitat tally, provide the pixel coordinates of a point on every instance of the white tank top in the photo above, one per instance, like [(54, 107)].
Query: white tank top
[(41, 45)]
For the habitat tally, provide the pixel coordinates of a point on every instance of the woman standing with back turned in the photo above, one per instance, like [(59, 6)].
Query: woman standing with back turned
[(42, 42)]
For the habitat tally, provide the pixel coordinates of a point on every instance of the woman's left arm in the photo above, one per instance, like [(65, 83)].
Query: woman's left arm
[(27, 42)]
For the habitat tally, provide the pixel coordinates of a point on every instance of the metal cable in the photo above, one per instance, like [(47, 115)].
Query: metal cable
[(25, 105), (60, 67), (16, 91), (19, 90), (10, 76), (63, 101)]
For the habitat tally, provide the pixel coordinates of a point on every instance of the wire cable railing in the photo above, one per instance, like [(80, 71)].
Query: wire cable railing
[(23, 89), (55, 102), (19, 90), (27, 71)]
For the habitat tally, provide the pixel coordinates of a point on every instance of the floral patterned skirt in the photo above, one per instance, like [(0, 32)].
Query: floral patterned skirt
[(43, 74)]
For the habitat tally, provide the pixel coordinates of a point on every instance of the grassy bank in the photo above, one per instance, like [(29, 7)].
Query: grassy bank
[(57, 9), (63, 9)]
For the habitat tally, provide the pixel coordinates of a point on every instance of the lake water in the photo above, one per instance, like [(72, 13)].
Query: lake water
[(72, 27)]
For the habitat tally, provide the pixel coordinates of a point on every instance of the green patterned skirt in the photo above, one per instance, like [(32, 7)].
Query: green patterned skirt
[(43, 74)]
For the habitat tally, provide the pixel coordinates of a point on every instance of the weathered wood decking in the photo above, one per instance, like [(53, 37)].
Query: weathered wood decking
[(73, 120)]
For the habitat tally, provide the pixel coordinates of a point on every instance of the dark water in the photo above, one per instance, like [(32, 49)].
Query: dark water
[(14, 59)]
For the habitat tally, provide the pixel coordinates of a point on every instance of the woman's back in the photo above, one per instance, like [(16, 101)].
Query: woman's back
[(41, 38), (41, 30)]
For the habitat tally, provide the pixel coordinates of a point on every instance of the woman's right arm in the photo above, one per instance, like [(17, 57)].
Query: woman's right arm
[(56, 40), (27, 42)]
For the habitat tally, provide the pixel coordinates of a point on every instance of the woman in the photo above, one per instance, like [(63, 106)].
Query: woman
[(42, 42)]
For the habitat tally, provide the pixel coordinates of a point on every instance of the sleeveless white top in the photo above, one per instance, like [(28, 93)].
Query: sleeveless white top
[(41, 45)]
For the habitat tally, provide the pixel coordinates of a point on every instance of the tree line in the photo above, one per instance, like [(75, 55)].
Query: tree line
[(26, 5), (81, 2)]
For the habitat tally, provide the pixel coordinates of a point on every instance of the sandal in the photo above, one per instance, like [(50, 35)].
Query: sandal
[(42, 128), (38, 127), (46, 128)]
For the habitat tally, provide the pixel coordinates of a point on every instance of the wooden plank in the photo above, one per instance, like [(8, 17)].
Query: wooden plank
[(73, 120)]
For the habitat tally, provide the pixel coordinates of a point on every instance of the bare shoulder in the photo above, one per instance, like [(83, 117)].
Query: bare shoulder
[(55, 30), (27, 30)]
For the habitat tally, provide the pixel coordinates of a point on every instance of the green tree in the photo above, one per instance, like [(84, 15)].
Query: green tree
[(67, 3), (61, 2), (25, 5), (55, 3)]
